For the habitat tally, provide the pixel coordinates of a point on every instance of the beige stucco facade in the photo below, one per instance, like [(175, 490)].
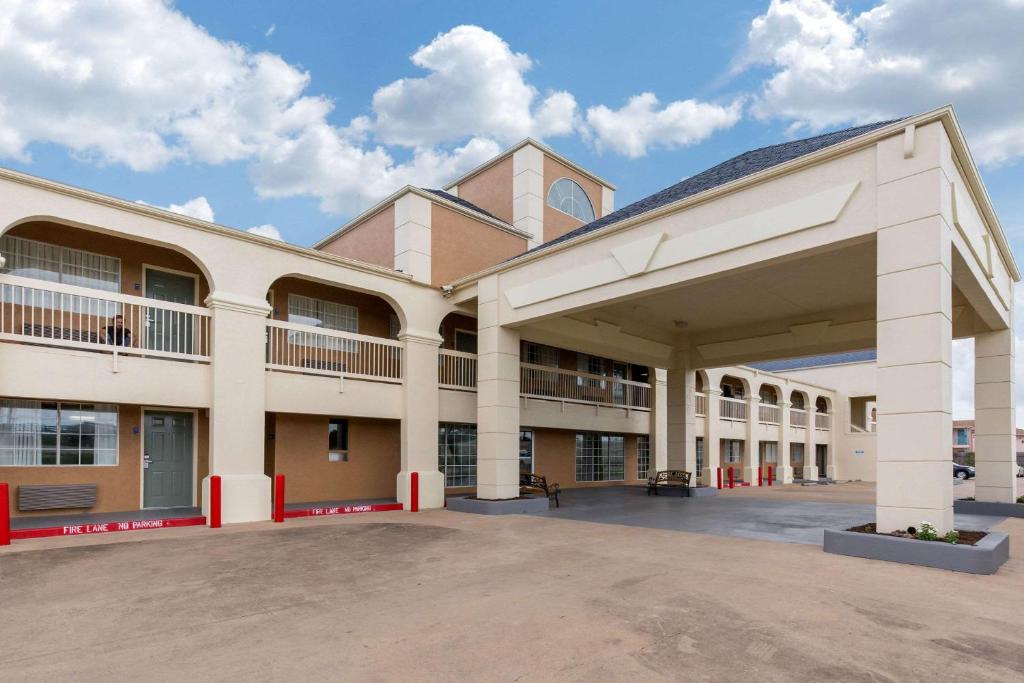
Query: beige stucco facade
[(640, 331)]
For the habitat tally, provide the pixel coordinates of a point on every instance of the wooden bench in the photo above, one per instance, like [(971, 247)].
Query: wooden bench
[(537, 483), (56, 496), (669, 479)]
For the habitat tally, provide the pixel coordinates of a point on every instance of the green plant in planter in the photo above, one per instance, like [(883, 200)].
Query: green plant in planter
[(927, 532), (952, 537)]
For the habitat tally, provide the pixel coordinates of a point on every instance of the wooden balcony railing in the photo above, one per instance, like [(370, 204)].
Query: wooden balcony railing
[(456, 370), (700, 404), (318, 351), (732, 409), (769, 414), (541, 381), (822, 421)]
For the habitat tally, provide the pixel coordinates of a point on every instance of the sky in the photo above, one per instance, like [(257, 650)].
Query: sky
[(286, 119)]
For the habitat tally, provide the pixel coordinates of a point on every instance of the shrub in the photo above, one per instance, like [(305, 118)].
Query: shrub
[(952, 537), (1020, 499), (927, 532), (969, 459)]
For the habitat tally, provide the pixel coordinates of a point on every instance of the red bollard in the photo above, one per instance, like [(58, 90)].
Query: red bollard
[(719, 478), (732, 481), (5, 516), (760, 474), (215, 501), (414, 492), (279, 498), (770, 471)]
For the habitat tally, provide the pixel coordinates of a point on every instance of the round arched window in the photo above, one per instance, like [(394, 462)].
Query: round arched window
[(568, 197)]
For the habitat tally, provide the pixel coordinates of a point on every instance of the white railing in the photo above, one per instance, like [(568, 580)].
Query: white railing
[(700, 404), (541, 381), (769, 414), (797, 417), (318, 351), (54, 314), (822, 421), (456, 370), (732, 409)]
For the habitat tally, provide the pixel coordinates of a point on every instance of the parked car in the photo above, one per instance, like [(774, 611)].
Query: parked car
[(962, 472)]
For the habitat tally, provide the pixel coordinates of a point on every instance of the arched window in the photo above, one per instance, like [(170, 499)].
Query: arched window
[(568, 197)]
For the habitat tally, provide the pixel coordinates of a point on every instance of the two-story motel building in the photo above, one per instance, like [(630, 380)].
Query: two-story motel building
[(515, 320)]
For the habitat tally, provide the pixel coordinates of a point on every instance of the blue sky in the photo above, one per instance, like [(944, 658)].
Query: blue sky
[(294, 116)]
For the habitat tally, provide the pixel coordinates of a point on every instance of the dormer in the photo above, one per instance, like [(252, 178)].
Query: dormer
[(537, 190)]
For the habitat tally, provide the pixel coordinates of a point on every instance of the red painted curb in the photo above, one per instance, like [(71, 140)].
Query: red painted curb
[(106, 527), (343, 510)]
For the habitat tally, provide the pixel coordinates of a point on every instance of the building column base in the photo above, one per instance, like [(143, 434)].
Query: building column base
[(750, 476), (889, 519), (243, 498), (784, 474), (431, 494), (810, 473)]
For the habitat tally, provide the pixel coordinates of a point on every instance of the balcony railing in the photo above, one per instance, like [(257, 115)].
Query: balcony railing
[(542, 381), (822, 421), (332, 353), (700, 404), (732, 409), (797, 417), (53, 314), (456, 370), (769, 414)]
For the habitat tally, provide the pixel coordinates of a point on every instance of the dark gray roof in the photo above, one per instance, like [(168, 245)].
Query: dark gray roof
[(461, 202), (816, 361), (738, 167)]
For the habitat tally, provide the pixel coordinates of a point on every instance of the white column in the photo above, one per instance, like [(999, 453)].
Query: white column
[(497, 399), (914, 291), (712, 444), (238, 367), (830, 446), (412, 236), (659, 419), (784, 471), (752, 447), (528, 193), (810, 456), (419, 421), (995, 417), (682, 443)]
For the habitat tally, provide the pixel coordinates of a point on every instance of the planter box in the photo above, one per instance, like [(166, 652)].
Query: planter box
[(984, 558), (516, 506), (978, 507)]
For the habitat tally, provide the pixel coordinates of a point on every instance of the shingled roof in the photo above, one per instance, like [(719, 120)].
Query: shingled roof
[(816, 361), (462, 202), (738, 167)]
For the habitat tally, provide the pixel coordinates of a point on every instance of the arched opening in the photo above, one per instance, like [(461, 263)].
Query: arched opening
[(798, 400), (733, 387), (769, 395), (68, 286), (821, 405), (457, 357)]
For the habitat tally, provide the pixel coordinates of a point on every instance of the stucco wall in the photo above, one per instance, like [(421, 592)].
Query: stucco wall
[(118, 487), (554, 454), (372, 241), (491, 189), (460, 245), (557, 223), (300, 453)]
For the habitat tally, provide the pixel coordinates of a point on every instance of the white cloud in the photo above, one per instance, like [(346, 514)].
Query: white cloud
[(196, 208), (475, 87), (900, 57), (640, 124), (267, 230), (270, 30)]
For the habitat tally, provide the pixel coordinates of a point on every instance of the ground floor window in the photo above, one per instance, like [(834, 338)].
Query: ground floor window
[(700, 455), (796, 454), (526, 451), (769, 452), (732, 451), (643, 456), (45, 433), (600, 457), (456, 454), (337, 435), (821, 459)]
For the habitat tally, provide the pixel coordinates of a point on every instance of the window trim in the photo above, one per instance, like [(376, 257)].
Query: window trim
[(602, 436), (61, 261), (117, 436), (590, 203)]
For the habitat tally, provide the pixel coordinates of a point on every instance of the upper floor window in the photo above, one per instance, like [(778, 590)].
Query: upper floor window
[(568, 197), (306, 310), (42, 261)]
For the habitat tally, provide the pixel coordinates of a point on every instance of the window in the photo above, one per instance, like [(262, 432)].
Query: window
[(456, 454), (600, 457), (769, 452), (337, 434), (768, 396), (526, 451), (796, 454), (41, 261), (304, 310), (539, 354), (465, 341), (961, 437), (568, 197), (700, 455), (46, 433), (732, 451), (643, 456)]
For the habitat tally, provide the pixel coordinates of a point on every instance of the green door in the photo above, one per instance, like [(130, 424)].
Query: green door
[(170, 331), (167, 460)]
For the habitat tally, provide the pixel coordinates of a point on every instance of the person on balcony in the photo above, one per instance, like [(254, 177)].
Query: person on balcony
[(117, 333)]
